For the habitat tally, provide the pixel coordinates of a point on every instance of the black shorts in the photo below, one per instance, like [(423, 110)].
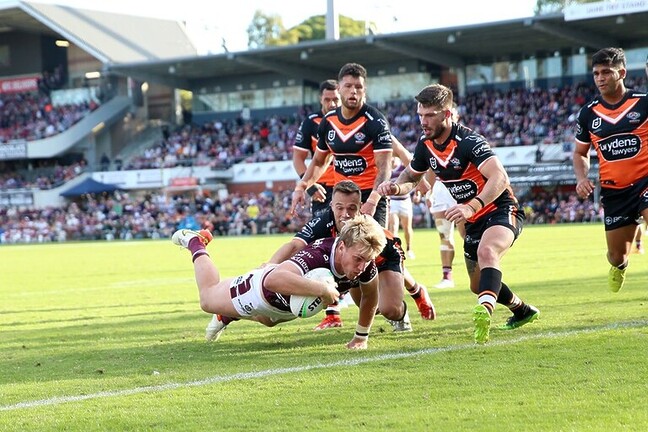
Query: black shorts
[(318, 207), (380, 215), (391, 257), (510, 216), (622, 207)]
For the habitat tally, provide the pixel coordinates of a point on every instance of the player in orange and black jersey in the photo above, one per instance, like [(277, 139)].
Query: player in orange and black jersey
[(616, 125), (345, 204), (465, 163), (306, 142), (357, 137)]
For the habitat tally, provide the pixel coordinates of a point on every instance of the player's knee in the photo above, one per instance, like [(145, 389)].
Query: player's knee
[(444, 227), (616, 258), (392, 310), (487, 255)]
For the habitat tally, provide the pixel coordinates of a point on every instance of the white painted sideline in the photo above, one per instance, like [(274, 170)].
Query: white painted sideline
[(283, 371)]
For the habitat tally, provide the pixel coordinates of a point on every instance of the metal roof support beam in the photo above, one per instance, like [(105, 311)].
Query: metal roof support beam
[(435, 57), (579, 37)]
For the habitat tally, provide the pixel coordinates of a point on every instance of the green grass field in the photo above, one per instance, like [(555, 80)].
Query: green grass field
[(109, 336)]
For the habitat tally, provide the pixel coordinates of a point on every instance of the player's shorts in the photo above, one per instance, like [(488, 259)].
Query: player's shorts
[(250, 298), (391, 257), (318, 207), (509, 216), (380, 215), (441, 198), (622, 207), (401, 207)]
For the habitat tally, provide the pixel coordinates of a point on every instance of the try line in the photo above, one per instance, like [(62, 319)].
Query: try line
[(57, 400)]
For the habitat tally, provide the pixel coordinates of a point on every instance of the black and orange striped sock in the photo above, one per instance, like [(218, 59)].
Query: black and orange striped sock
[(490, 283)]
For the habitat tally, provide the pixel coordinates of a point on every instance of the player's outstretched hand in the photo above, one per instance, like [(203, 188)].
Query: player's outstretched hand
[(459, 213), (357, 343), (297, 200)]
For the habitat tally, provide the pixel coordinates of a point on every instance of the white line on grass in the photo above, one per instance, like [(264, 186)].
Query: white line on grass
[(282, 371)]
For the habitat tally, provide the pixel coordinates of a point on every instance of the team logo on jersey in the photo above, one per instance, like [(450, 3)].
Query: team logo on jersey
[(462, 190), (634, 117), (350, 165), (456, 163), (596, 123), (360, 138), (619, 147)]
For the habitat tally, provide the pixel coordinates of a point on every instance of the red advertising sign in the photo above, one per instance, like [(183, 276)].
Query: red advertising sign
[(19, 84)]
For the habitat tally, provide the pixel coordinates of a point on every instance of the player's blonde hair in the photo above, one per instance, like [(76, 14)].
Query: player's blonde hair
[(363, 230)]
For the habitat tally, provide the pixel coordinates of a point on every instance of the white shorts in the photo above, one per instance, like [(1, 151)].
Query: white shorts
[(441, 198), (401, 207), (247, 296)]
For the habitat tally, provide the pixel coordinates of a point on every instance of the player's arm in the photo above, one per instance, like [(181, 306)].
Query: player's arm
[(382, 160), (400, 151), (299, 160), (497, 181), (581, 162), (406, 181), (287, 279), (367, 311), (287, 250), (315, 169)]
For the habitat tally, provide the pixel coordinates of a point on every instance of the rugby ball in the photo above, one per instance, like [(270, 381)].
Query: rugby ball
[(307, 306)]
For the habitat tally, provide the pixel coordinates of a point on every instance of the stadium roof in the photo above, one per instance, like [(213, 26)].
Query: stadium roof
[(518, 39), (165, 54), (109, 37)]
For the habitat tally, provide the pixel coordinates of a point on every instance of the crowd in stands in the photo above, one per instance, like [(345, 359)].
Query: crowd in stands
[(32, 116), (45, 175), (507, 118), (221, 144), (126, 217), (514, 117)]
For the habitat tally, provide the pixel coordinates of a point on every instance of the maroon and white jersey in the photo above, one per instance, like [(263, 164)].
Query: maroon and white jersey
[(250, 297), (321, 253)]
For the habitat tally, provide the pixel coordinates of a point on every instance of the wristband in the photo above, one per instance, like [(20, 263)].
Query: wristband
[(362, 332), (480, 201), (473, 208), (311, 190), (399, 189)]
